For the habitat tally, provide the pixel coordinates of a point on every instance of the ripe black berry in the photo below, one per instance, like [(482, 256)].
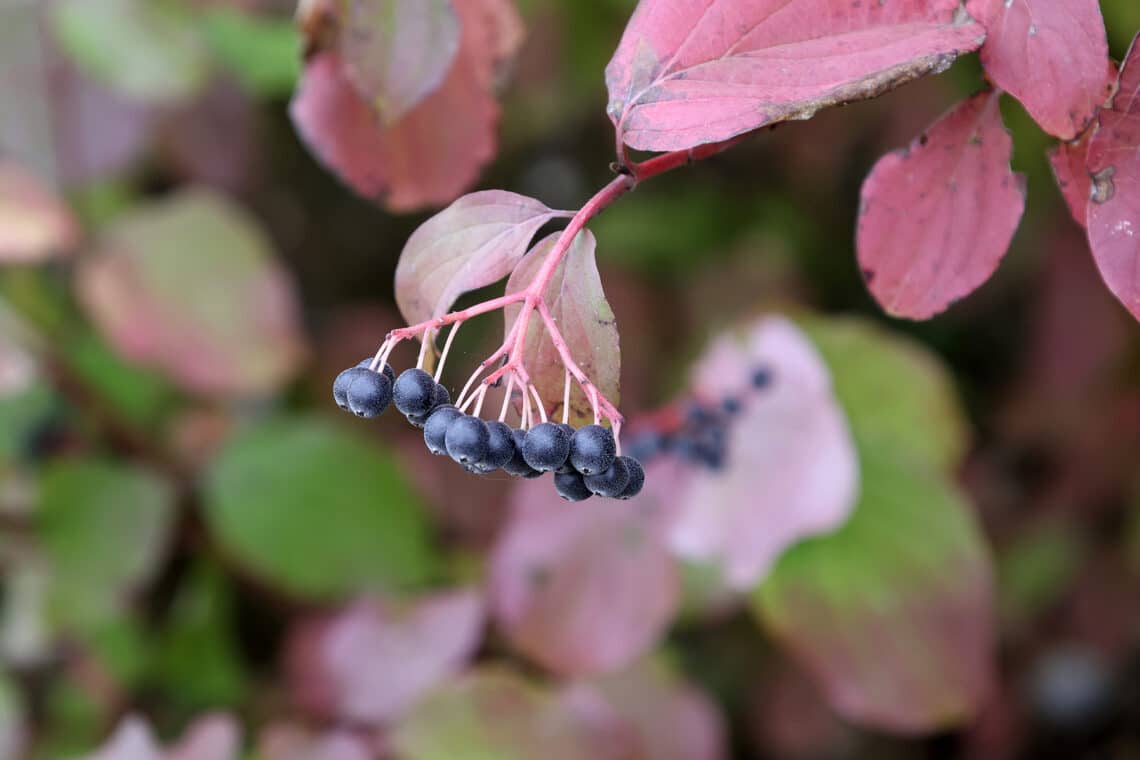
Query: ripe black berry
[(342, 383), (730, 405), (435, 428), (369, 394), (592, 449), (466, 439), (414, 392), (636, 478), (647, 445), (500, 445), (546, 446), (761, 377), (418, 420), (571, 487), (517, 465), (611, 483), (441, 395), (386, 371)]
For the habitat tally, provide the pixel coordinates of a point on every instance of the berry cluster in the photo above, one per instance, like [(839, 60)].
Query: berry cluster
[(585, 462), (695, 432)]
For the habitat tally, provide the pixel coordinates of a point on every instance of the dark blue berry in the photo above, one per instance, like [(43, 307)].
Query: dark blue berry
[(466, 439), (441, 395), (517, 466), (414, 392), (386, 371), (500, 445), (761, 377), (342, 383), (611, 483), (592, 449), (435, 428), (571, 487), (369, 394), (418, 420), (636, 477), (730, 405), (646, 445), (546, 446)]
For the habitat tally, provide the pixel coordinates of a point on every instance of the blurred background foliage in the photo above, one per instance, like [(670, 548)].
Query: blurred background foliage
[(182, 515)]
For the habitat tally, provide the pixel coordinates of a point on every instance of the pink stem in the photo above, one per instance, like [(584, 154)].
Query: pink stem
[(608, 410)]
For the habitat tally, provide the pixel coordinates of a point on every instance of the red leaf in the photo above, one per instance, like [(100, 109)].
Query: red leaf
[(35, 224), (153, 291), (586, 589), (1069, 161), (1052, 55), (374, 660), (937, 217), (437, 149), (398, 52), (1114, 205), (472, 243), (585, 319), (689, 72), (792, 470)]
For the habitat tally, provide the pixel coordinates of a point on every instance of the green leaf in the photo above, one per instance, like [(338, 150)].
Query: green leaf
[(892, 614), (317, 511), (136, 393), (896, 392), (102, 528), (264, 53), (149, 50), (196, 661), (19, 415)]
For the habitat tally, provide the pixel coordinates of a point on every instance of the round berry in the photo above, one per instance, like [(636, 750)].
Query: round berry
[(592, 449), (646, 445), (636, 477), (517, 465), (418, 420), (435, 428), (611, 483), (466, 439), (730, 406), (369, 394), (441, 395), (546, 446), (386, 371), (571, 487), (761, 377), (414, 392), (343, 382), (500, 445)]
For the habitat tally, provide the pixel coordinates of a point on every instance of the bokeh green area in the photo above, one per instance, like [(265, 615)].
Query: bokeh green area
[(165, 523)]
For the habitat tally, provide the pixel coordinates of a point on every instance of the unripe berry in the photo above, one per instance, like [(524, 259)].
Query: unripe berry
[(636, 478), (500, 445), (571, 487), (517, 465), (414, 392), (592, 449), (369, 394), (546, 447), (343, 382), (611, 483), (466, 440), (435, 429)]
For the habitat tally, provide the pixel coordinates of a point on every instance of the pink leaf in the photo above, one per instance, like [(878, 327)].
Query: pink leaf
[(1052, 55), (586, 589), (937, 217), (689, 72), (792, 470), (674, 719), (282, 741), (213, 737), (585, 319), (1069, 161), (472, 243), (398, 52), (374, 660), (436, 150), (153, 290), (1114, 205), (34, 222)]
